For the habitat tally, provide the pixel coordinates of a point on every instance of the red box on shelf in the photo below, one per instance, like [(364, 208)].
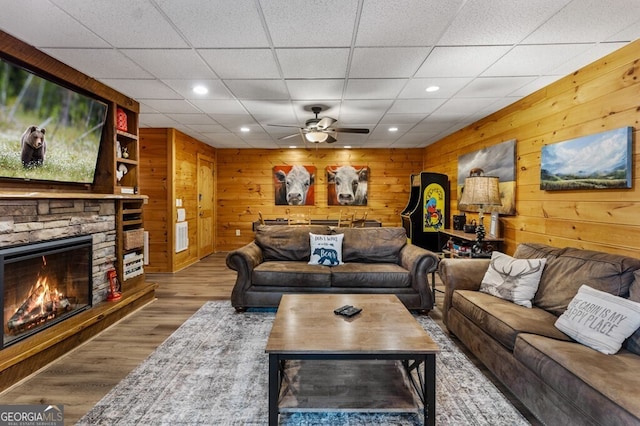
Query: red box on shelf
[(121, 120)]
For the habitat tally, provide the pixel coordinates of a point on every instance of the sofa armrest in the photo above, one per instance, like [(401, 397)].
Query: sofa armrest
[(460, 274), (420, 263), (243, 260)]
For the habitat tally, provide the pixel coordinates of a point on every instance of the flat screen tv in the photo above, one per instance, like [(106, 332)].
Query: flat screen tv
[(47, 132)]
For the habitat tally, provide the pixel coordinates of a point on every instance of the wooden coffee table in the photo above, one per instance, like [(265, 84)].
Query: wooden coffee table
[(305, 328)]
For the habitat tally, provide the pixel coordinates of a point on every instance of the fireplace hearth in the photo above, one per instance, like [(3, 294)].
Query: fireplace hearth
[(44, 283)]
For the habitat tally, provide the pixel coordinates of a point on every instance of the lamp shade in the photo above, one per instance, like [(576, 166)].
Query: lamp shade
[(481, 191), (316, 136)]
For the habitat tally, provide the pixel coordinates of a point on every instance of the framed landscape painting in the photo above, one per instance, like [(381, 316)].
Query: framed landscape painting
[(496, 160), (600, 161)]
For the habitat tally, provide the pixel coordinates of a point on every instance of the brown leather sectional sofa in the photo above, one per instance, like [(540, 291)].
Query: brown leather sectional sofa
[(376, 260), (560, 381)]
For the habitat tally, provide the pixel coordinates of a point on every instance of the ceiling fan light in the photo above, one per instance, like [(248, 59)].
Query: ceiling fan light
[(316, 136)]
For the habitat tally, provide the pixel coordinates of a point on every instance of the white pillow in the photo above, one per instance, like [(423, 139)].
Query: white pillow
[(326, 249), (599, 320), (513, 279)]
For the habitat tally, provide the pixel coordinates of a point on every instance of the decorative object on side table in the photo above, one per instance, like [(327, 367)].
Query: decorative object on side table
[(481, 191)]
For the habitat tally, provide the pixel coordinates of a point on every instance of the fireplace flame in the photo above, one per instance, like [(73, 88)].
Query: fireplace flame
[(45, 302)]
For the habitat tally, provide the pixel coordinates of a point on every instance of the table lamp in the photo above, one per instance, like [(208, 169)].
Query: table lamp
[(481, 191)]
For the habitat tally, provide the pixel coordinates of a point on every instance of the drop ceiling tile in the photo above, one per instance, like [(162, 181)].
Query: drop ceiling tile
[(534, 60), (258, 89), (271, 112), (170, 63), (170, 106), (375, 88), (462, 107), (362, 111), (142, 89), (386, 62), (233, 121), (155, 120), (381, 20), (141, 26), (460, 61), (484, 87), (313, 63), (190, 119), (435, 124), (214, 24), (320, 89), (632, 32), (586, 21), (40, 23), (482, 22), (99, 63), (415, 106), (208, 128), (310, 24), (416, 88), (401, 120), (217, 90), (241, 63), (215, 106)]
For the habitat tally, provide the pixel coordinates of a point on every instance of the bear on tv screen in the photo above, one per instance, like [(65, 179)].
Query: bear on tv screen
[(47, 132)]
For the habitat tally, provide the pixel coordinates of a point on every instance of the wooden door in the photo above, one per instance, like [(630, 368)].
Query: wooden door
[(205, 206)]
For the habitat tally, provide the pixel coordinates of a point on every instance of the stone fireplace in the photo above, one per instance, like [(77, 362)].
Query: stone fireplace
[(44, 283)]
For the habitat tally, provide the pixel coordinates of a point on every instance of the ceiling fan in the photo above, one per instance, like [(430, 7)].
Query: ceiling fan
[(318, 129)]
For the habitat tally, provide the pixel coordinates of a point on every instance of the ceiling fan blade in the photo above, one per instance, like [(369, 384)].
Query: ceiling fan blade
[(283, 125), (349, 130), (288, 137), (325, 122), (331, 139)]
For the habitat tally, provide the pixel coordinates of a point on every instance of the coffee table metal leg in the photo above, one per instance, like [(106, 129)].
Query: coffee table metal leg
[(274, 388), (430, 390)]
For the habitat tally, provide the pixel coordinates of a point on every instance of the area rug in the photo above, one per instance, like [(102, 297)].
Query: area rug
[(213, 371)]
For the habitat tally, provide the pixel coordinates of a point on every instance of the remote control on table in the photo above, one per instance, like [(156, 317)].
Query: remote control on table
[(341, 309), (351, 311)]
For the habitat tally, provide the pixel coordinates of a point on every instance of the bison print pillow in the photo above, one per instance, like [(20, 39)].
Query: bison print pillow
[(326, 249)]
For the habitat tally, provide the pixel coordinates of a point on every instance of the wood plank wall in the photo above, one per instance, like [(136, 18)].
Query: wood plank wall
[(168, 171), (601, 96), (245, 186)]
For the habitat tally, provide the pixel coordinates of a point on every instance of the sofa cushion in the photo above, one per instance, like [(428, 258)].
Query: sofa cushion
[(502, 319), (370, 275), (291, 274), (600, 320), (279, 242), (326, 249), (512, 279), (372, 245), (603, 384), (567, 269)]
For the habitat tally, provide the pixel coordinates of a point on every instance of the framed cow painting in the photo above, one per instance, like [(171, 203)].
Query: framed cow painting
[(347, 185), (294, 185)]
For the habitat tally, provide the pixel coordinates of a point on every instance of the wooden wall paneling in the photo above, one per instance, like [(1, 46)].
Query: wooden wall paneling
[(155, 182), (245, 186), (601, 96)]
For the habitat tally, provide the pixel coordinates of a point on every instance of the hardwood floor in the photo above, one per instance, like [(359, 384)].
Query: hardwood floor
[(82, 377)]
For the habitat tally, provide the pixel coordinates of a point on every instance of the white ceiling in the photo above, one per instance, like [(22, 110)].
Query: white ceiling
[(367, 61)]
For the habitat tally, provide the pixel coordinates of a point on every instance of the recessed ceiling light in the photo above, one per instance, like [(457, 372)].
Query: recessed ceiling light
[(432, 88), (393, 129), (200, 90), (347, 146), (292, 146), (244, 129)]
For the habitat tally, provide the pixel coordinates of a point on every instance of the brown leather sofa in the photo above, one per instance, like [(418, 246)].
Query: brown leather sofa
[(560, 381), (376, 260)]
